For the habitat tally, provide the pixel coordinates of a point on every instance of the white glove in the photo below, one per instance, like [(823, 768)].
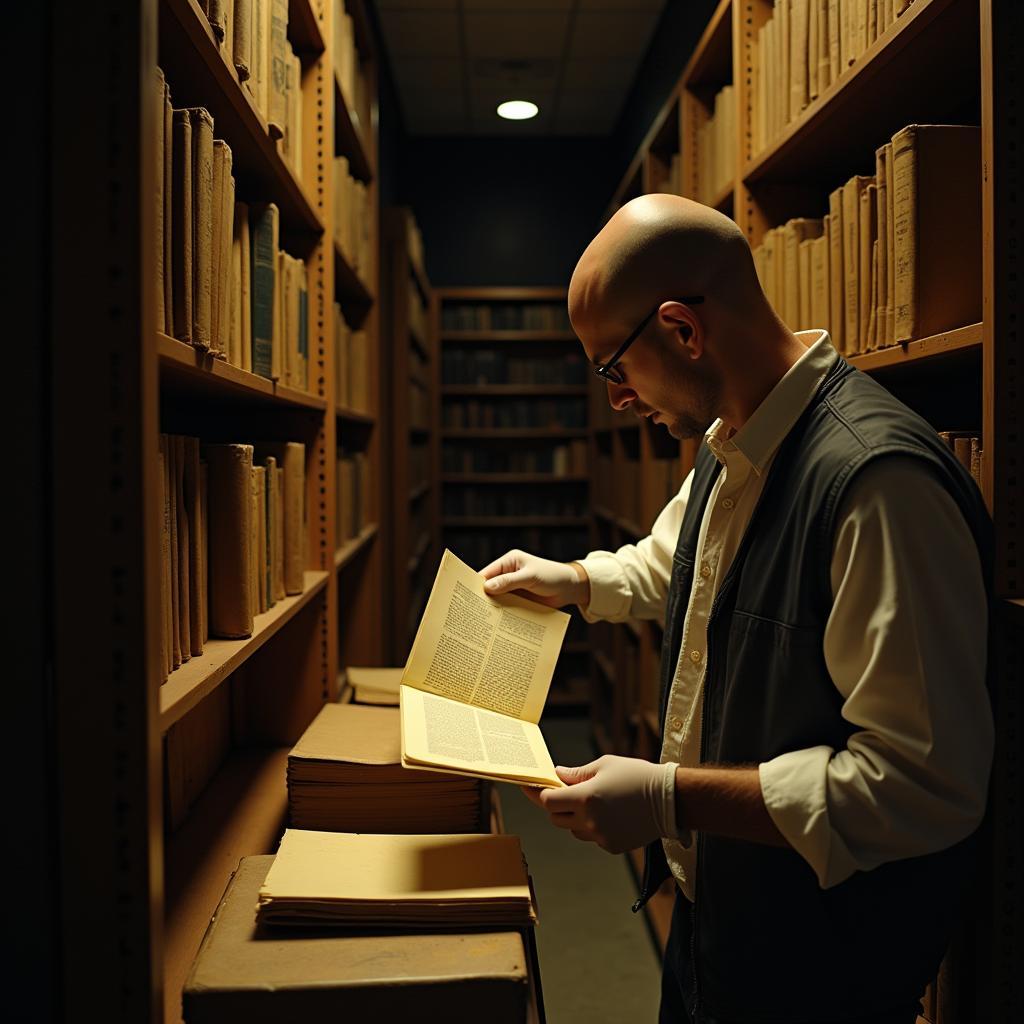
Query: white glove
[(552, 583), (620, 803)]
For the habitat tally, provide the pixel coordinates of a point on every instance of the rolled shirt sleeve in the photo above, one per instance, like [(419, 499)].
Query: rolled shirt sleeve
[(905, 645), (632, 582)]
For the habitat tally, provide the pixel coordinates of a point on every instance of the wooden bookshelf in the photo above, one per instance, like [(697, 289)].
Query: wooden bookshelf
[(511, 390), (513, 522), (514, 478), (965, 55), (349, 288), (350, 550), (511, 336), (511, 433), (354, 418)]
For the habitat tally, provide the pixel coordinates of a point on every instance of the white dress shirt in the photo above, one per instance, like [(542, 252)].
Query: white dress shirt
[(904, 644)]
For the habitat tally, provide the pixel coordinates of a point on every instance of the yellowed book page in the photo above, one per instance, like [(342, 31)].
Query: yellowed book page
[(449, 736), (346, 867), (495, 653)]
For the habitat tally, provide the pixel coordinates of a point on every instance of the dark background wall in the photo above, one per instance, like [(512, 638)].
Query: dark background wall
[(500, 211)]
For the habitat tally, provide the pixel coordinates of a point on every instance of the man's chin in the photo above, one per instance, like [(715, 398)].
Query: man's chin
[(683, 429)]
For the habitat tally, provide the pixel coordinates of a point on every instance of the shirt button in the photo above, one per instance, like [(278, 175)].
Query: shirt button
[(677, 722), (728, 503), (695, 657), (705, 570)]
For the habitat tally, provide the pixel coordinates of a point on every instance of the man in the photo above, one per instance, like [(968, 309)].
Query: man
[(827, 733)]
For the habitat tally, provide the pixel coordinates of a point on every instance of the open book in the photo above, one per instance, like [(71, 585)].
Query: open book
[(476, 680)]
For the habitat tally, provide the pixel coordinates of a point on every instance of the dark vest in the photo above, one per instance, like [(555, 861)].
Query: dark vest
[(769, 944)]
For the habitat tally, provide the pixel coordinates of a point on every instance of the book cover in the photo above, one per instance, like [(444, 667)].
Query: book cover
[(264, 289), (202, 227), (181, 225)]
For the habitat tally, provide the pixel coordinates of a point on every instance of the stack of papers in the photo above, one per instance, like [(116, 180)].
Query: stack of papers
[(320, 878), (374, 685), (345, 775)]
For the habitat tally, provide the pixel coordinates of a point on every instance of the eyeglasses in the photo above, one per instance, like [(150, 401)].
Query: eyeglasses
[(607, 371)]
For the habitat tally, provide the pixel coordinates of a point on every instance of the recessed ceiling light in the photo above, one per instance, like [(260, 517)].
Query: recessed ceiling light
[(517, 110)]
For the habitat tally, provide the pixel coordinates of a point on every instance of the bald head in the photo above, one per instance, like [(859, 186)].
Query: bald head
[(661, 247)]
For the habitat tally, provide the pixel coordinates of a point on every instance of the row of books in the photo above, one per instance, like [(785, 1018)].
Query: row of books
[(481, 547), (515, 500), (897, 257), (803, 48), (514, 412), (966, 446), (353, 217), (347, 60), (351, 365), (559, 459), (633, 491), (505, 316), (716, 147), (494, 366), (353, 495), (232, 539), (223, 284), (254, 37)]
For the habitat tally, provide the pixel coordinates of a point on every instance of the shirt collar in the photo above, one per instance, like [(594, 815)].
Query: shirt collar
[(757, 440)]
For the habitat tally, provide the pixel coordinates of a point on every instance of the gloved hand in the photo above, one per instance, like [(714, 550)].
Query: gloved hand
[(620, 803), (552, 583)]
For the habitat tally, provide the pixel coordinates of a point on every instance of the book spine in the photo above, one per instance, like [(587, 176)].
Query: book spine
[(190, 485), (303, 327), (235, 336), (824, 54), (295, 518), (873, 321), (184, 550), (181, 225), (813, 40), (835, 63), (798, 57), (851, 263), (277, 115), (783, 10), (904, 161), (226, 282), (278, 568), (260, 474), (865, 238), (241, 49), (264, 273), (804, 255), (216, 226), (160, 267), (175, 594), (166, 663), (204, 549), (890, 245), (882, 231), (202, 227), (168, 212), (245, 285), (277, 345), (218, 18)]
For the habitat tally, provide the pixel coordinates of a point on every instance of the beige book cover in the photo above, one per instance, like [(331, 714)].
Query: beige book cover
[(872, 21), (235, 311), (798, 48), (184, 549), (806, 320), (244, 297), (181, 225), (291, 457), (402, 879), (217, 13), (873, 320), (881, 219), (851, 262), (254, 543), (292, 375), (937, 210), (836, 280), (226, 235), (813, 42), (168, 212), (476, 680), (835, 59), (378, 686), (890, 244), (230, 539), (783, 13), (277, 112), (229, 30), (824, 57), (867, 231), (862, 27), (159, 197), (820, 279), (190, 488), (847, 24), (202, 226), (261, 55), (262, 539), (275, 534), (217, 224), (795, 231), (241, 41), (279, 591)]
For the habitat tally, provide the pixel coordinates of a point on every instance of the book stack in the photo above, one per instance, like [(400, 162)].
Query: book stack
[(966, 446), (351, 365), (223, 284), (376, 686), (353, 495), (352, 216), (232, 541), (553, 413), (803, 48), (412, 881), (345, 775), (716, 147), (897, 257), (558, 460)]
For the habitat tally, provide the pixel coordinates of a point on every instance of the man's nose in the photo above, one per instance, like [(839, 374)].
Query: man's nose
[(620, 396)]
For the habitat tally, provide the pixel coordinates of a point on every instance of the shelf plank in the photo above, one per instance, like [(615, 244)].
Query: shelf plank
[(483, 522), (521, 433), (348, 551), (198, 373), (875, 97), (242, 812), (199, 74), (303, 29), (514, 478), (496, 390), (189, 684), (365, 419), (492, 336), (349, 288), (933, 348), (349, 135)]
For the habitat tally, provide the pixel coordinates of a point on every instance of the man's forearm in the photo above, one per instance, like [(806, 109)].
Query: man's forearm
[(725, 802)]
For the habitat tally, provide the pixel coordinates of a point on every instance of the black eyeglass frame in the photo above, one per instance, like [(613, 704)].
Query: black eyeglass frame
[(607, 371)]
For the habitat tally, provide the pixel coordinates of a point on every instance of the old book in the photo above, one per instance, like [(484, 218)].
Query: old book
[(813, 40), (261, 56), (824, 56), (277, 347), (291, 457), (181, 225), (218, 18), (851, 262), (835, 61), (277, 114), (890, 245), (279, 532), (294, 129), (820, 279), (866, 234), (937, 210), (168, 211), (172, 507), (226, 232), (220, 149), (476, 680), (376, 686), (795, 231), (782, 12), (836, 279), (230, 539), (881, 218), (243, 298), (873, 319), (184, 549), (166, 664), (976, 457), (241, 43), (861, 43), (275, 560), (264, 289), (798, 51), (805, 319), (290, 320), (202, 226), (303, 307), (235, 311), (160, 268), (262, 555), (872, 21), (190, 492), (345, 774)]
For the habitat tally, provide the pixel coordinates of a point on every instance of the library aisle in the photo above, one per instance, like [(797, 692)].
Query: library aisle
[(411, 396)]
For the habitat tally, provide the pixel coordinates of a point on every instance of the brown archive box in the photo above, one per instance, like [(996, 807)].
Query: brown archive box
[(245, 975)]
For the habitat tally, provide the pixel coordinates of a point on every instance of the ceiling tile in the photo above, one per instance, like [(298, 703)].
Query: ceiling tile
[(423, 74), (439, 102), (611, 33), (437, 125), (421, 33), (615, 73), (514, 35), (589, 103), (581, 125)]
